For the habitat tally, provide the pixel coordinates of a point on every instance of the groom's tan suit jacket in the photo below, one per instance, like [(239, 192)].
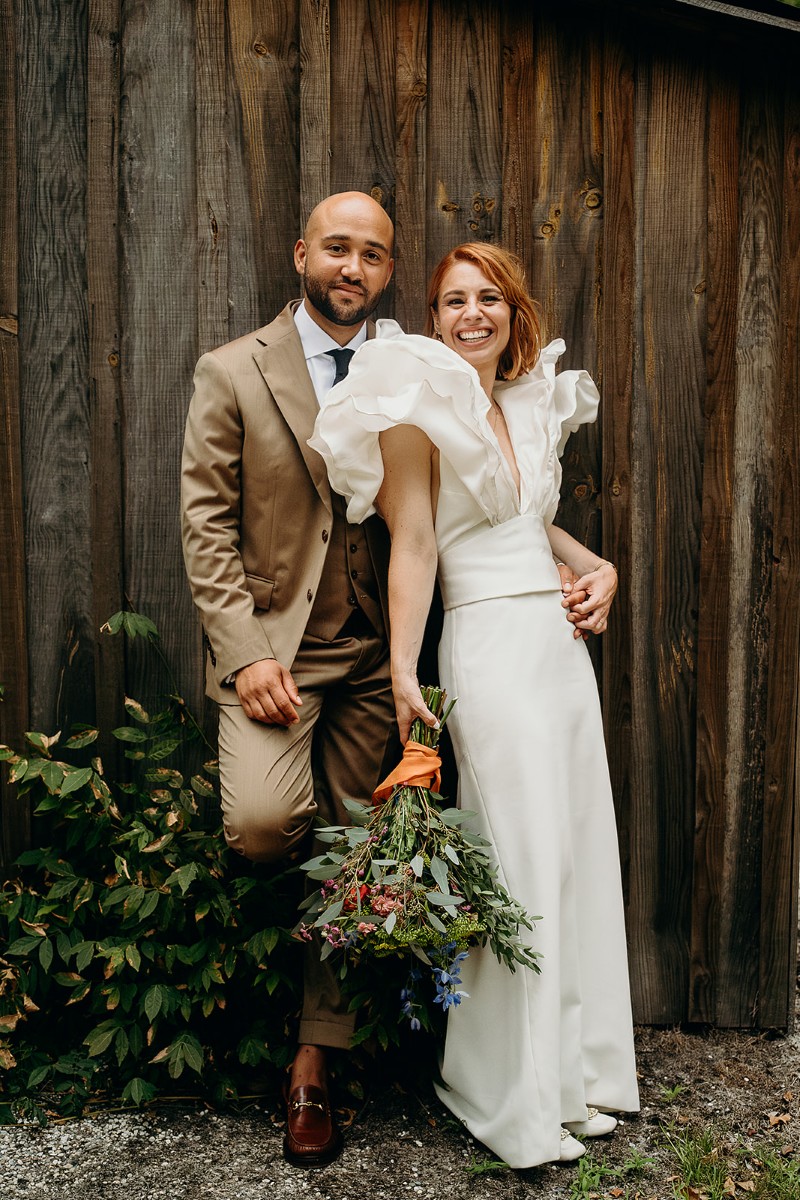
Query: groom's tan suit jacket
[(257, 510)]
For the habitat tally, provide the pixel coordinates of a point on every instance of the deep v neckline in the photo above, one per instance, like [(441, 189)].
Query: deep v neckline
[(504, 457)]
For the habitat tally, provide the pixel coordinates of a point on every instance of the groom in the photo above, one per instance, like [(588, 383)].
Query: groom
[(292, 597)]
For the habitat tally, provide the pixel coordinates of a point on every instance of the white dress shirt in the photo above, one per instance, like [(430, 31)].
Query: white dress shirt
[(316, 344)]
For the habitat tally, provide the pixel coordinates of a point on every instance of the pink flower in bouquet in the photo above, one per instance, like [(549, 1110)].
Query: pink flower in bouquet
[(365, 927), (382, 905)]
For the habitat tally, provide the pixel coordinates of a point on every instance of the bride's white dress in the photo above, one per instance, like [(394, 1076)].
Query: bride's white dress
[(525, 1052)]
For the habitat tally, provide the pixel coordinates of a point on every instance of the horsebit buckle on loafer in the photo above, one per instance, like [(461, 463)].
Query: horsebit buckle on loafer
[(296, 1104)]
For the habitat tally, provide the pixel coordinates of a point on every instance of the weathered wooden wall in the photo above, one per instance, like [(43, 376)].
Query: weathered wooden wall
[(156, 162)]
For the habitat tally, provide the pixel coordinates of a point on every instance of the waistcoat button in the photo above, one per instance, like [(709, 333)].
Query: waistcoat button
[(309, 595), (324, 535)]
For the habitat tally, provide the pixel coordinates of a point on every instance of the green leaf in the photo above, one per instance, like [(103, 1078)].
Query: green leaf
[(79, 740), (121, 1046), (18, 770), (38, 1076), (417, 865), (127, 733), (149, 904), (444, 899), (390, 922), (201, 786), (23, 945), (153, 1000), (52, 774), (99, 1039), (138, 1091), (84, 955), (436, 923), (83, 894), (451, 854), (133, 957), (439, 873), (74, 778), (164, 747), (184, 877), (134, 709)]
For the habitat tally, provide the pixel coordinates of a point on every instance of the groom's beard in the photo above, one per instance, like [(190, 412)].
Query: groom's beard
[(338, 311)]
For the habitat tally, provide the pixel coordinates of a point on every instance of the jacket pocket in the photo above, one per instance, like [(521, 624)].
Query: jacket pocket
[(261, 590)]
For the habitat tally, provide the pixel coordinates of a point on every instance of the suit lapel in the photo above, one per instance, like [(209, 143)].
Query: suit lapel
[(282, 363)]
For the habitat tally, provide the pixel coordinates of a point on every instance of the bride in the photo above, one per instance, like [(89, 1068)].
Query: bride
[(456, 442)]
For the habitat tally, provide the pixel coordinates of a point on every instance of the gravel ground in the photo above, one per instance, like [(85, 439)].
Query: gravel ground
[(405, 1145)]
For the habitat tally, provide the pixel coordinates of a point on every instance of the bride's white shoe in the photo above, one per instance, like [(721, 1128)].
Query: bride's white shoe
[(570, 1147), (597, 1124)]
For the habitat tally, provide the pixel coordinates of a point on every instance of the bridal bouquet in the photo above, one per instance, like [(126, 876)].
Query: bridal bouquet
[(409, 877)]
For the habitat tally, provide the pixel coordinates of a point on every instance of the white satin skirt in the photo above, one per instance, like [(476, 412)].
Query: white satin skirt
[(527, 1052)]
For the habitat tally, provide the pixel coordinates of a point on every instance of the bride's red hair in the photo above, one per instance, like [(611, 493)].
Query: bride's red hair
[(506, 272)]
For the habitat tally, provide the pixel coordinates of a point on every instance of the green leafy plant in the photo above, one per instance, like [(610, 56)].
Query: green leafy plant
[(138, 947)]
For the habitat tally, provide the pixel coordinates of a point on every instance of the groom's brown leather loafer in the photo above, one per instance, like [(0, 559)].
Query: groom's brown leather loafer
[(313, 1138)]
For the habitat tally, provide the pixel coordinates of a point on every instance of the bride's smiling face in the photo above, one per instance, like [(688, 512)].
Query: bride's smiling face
[(472, 317)]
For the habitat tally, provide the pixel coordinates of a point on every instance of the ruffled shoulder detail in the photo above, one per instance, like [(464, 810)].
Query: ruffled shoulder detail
[(405, 379), (575, 396)]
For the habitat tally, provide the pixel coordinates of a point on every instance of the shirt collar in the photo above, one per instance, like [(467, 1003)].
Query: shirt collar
[(316, 341)]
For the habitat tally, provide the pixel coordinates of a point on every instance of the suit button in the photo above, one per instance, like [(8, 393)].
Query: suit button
[(309, 595), (352, 600), (353, 548), (324, 535), (354, 574)]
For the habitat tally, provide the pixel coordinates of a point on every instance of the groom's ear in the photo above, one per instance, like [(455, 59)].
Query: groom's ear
[(300, 252)]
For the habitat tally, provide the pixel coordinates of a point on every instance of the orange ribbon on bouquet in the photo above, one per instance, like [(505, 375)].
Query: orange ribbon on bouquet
[(419, 767)]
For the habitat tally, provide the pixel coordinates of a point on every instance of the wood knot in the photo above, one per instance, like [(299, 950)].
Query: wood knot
[(419, 90), (548, 229), (593, 198), (260, 49), (377, 194), (113, 359)]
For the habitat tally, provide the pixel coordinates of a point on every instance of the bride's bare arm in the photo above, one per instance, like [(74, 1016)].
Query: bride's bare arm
[(405, 503), (596, 583)]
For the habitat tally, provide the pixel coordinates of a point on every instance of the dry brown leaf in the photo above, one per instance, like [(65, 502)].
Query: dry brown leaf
[(779, 1118), (788, 1095), (747, 1185), (7, 1060), (729, 1187), (786, 1151), (8, 1023)]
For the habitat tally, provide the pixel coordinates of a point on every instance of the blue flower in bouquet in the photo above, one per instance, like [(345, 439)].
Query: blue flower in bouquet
[(447, 978)]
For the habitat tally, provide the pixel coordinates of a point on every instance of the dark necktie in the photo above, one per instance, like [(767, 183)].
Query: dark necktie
[(342, 360)]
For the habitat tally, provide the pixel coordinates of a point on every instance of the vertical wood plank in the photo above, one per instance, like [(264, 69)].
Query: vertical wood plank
[(315, 104), (102, 278), (667, 430), (565, 236), (159, 309), (363, 123), (212, 174), (757, 364), (711, 879), (411, 283), (16, 827), (781, 808), (265, 64), (464, 130), (51, 107), (619, 270)]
